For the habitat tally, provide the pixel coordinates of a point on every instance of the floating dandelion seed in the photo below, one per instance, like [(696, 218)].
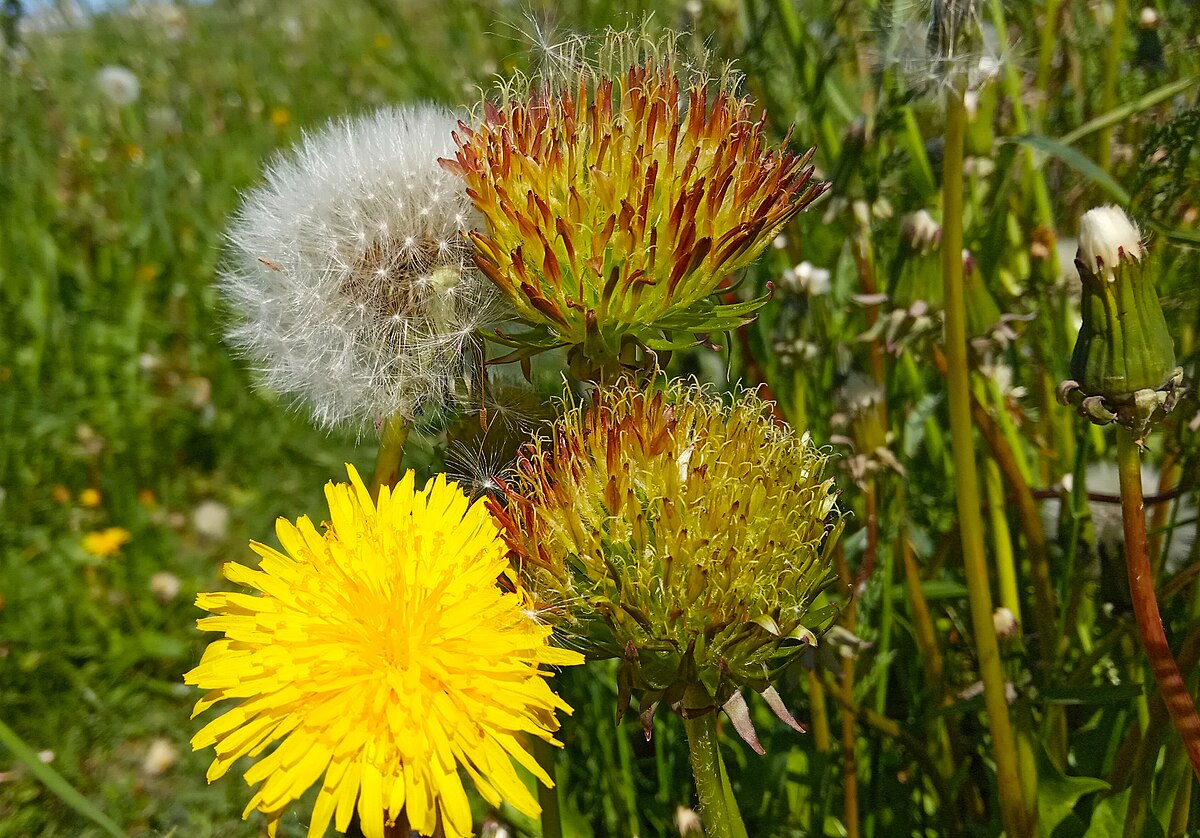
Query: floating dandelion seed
[(686, 537), (118, 85), (619, 198), (351, 279), (383, 656)]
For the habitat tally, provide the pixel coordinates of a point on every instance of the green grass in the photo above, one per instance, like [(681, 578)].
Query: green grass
[(114, 378)]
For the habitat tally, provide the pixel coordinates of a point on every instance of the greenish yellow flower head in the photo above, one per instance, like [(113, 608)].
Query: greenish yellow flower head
[(379, 658), (688, 537), (618, 202)]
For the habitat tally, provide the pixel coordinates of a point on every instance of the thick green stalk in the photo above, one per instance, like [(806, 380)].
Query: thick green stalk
[(1145, 604), (1014, 812), (547, 757), (718, 811), (391, 453)]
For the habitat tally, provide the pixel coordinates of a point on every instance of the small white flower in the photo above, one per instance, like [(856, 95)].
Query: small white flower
[(164, 585), (1148, 18), (160, 756), (352, 278), (119, 85), (211, 520), (1106, 237)]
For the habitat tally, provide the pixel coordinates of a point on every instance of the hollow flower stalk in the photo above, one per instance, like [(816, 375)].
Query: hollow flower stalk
[(685, 537), (351, 282), (379, 658), (616, 206)]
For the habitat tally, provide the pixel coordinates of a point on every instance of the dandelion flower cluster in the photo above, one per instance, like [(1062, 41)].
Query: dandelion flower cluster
[(351, 279), (618, 201), (381, 657), (685, 536)]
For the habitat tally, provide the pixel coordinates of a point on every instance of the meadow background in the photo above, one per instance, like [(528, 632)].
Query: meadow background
[(120, 406)]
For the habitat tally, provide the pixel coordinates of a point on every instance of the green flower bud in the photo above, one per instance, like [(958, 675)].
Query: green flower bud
[(1123, 367), (687, 538)]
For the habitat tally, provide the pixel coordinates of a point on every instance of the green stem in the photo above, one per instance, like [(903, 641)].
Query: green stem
[(1013, 809), (547, 757), (718, 811), (1145, 604), (391, 454), (1108, 91)]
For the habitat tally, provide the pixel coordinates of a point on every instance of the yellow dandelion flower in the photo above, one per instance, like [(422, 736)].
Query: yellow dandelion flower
[(280, 116), (105, 543), (383, 655), (90, 498)]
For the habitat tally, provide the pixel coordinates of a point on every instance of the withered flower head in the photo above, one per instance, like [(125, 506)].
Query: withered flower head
[(619, 199), (684, 536)]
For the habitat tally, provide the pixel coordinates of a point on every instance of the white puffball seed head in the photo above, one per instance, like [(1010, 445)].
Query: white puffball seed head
[(351, 276)]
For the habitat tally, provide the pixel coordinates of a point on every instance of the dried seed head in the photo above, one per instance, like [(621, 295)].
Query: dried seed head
[(687, 537), (1106, 239), (351, 277), (619, 196)]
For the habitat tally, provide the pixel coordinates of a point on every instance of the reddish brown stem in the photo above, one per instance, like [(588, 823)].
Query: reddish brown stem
[(1145, 605)]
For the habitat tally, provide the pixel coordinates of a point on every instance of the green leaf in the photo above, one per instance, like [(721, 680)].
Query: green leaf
[(1077, 160), (1057, 793), (1140, 104), (1108, 819), (1102, 694)]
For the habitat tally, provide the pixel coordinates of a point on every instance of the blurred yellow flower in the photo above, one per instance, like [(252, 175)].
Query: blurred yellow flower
[(60, 494), (90, 498), (107, 542), (280, 116), (146, 272), (384, 656)]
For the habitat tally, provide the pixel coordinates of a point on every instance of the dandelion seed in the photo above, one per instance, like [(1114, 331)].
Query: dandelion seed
[(380, 659), (119, 85), (351, 279)]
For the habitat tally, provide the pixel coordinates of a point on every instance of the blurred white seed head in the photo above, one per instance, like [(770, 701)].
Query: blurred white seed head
[(160, 757), (118, 85), (352, 280), (1148, 18), (164, 585), (211, 520), (1106, 238)]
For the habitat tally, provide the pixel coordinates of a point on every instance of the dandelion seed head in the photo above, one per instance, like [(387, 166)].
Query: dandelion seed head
[(118, 85), (932, 43), (351, 278)]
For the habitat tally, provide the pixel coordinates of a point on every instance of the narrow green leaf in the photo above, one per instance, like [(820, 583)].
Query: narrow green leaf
[(1077, 160), (56, 783), (1140, 104)]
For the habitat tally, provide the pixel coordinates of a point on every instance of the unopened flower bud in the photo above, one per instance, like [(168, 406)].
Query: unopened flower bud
[(1123, 367)]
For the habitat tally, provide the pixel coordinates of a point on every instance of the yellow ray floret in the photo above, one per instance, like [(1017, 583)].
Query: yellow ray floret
[(379, 658)]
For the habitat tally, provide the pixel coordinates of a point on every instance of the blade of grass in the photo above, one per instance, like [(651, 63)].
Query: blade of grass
[(56, 783)]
